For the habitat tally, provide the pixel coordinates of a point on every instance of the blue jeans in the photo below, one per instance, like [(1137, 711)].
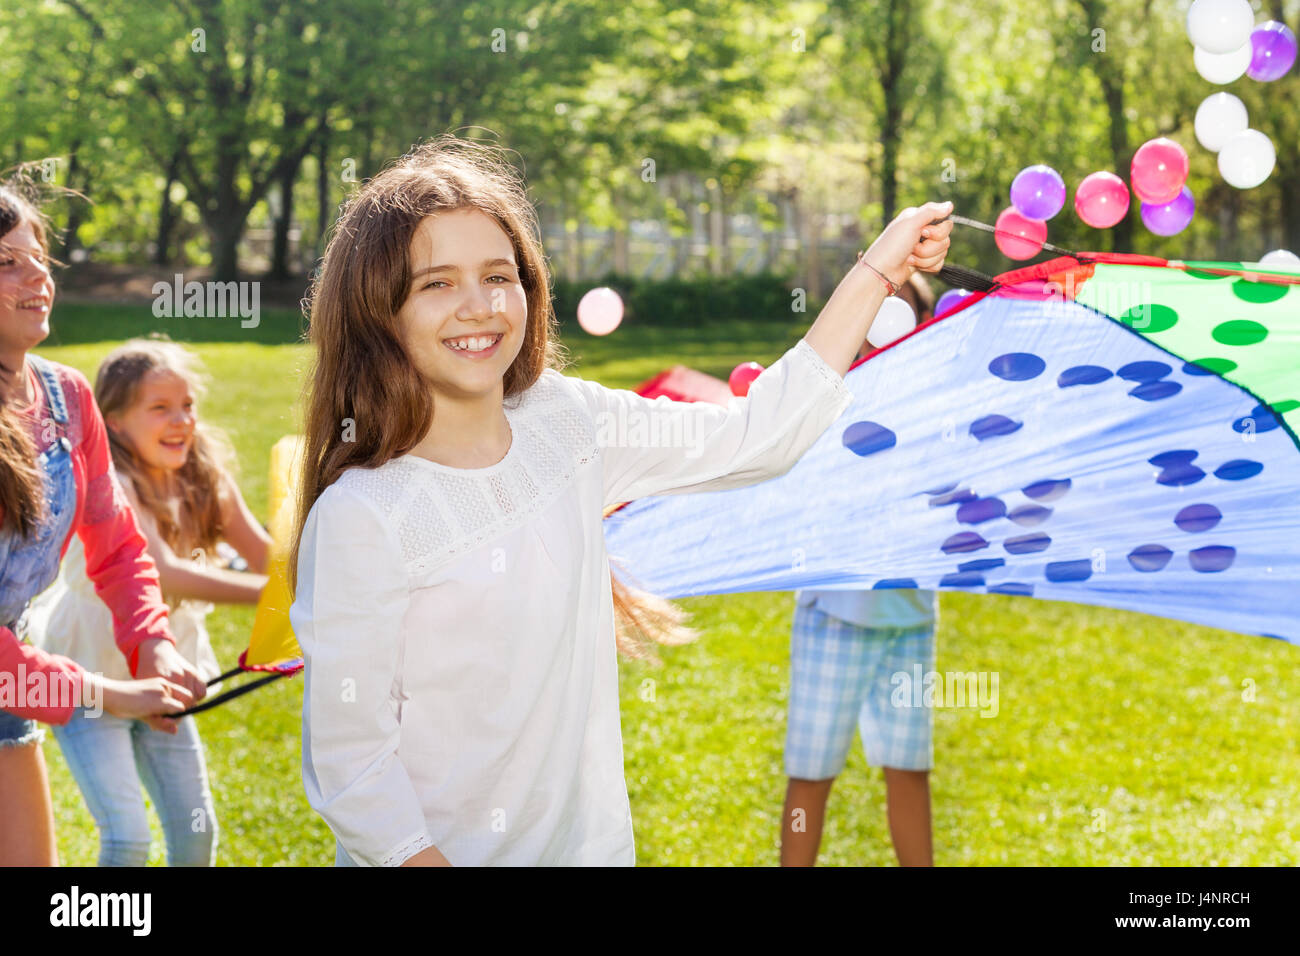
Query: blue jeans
[(110, 756), (18, 731)]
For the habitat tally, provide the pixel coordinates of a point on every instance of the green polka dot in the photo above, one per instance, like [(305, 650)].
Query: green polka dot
[(1283, 407), (1239, 332), (1219, 366), (1258, 291), (1150, 318)]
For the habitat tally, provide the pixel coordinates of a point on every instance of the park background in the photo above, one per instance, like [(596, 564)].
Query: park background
[(704, 160)]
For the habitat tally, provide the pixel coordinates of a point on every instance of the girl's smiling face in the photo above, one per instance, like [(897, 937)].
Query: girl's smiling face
[(465, 313), (159, 425), (26, 290)]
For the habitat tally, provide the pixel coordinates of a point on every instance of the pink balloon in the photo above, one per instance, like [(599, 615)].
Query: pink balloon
[(1018, 236), (742, 376), (1159, 171), (600, 311), (1101, 200)]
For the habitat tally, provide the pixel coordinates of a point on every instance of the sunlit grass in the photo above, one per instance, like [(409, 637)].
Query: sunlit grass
[(1120, 739)]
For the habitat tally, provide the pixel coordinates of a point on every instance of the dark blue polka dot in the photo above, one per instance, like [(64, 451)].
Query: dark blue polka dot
[(962, 580), (1198, 517), (990, 426), (890, 584), (1154, 391), (1179, 473), (1149, 557), (1030, 515), (981, 564), (1238, 469), (942, 489), (1017, 366), (981, 509), (1048, 490), (1216, 557), (1261, 419), (1012, 587), (1079, 570), (1083, 375), (964, 541), (1181, 457), (1027, 543), (1144, 371), (867, 438), (953, 498)]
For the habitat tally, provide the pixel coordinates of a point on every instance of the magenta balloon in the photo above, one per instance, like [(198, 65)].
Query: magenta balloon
[(742, 376), (1019, 237), (1038, 192), (1273, 50), (1171, 218), (950, 300), (1101, 200), (1159, 171)]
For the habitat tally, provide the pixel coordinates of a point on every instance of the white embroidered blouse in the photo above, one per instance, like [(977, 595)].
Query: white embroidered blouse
[(458, 624)]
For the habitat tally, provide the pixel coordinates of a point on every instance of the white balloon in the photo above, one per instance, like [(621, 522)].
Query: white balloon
[(894, 320), (1218, 118), (1247, 159), (1220, 26), (1281, 259), (1223, 68)]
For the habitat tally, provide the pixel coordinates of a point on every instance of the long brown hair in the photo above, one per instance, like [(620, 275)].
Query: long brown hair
[(22, 488), (197, 524), (362, 373)]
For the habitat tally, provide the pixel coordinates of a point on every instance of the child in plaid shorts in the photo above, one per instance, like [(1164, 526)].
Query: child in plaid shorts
[(845, 648)]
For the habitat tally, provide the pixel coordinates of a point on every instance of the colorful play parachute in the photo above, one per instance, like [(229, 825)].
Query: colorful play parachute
[(272, 648), (1107, 429)]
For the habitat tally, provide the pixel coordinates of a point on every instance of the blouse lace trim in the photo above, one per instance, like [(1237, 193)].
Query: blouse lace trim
[(405, 851), (439, 513)]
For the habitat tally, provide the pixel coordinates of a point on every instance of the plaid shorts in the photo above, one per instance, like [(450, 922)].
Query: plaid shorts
[(841, 674)]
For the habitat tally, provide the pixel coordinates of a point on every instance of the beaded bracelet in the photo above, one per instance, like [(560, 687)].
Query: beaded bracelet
[(893, 289)]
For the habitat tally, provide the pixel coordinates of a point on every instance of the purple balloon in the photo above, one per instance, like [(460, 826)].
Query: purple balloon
[(950, 300), (1171, 218), (1038, 192), (1273, 51)]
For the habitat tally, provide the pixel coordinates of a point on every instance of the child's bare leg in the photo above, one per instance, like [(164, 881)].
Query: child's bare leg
[(27, 830), (908, 795), (801, 823)]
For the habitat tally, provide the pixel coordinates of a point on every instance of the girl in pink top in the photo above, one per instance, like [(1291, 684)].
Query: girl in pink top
[(56, 478)]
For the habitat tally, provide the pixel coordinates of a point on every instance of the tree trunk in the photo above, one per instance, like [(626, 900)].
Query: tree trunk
[(324, 208), (225, 218), (283, 222), (166, 214), (76, 171)]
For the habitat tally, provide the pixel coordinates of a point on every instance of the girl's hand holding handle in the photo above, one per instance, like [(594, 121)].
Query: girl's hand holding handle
[(913, 241), (159, 658), (148, 700)]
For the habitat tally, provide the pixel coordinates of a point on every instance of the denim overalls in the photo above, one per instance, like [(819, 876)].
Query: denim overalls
[(29, 565)]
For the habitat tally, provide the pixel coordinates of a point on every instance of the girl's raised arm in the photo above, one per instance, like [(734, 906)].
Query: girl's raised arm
[(347, 615), (666, 447)]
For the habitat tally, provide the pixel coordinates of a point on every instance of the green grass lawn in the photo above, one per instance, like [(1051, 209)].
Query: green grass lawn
[(1120, 739)]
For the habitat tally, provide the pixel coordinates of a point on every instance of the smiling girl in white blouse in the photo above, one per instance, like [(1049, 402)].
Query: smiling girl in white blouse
[(452, 593)]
